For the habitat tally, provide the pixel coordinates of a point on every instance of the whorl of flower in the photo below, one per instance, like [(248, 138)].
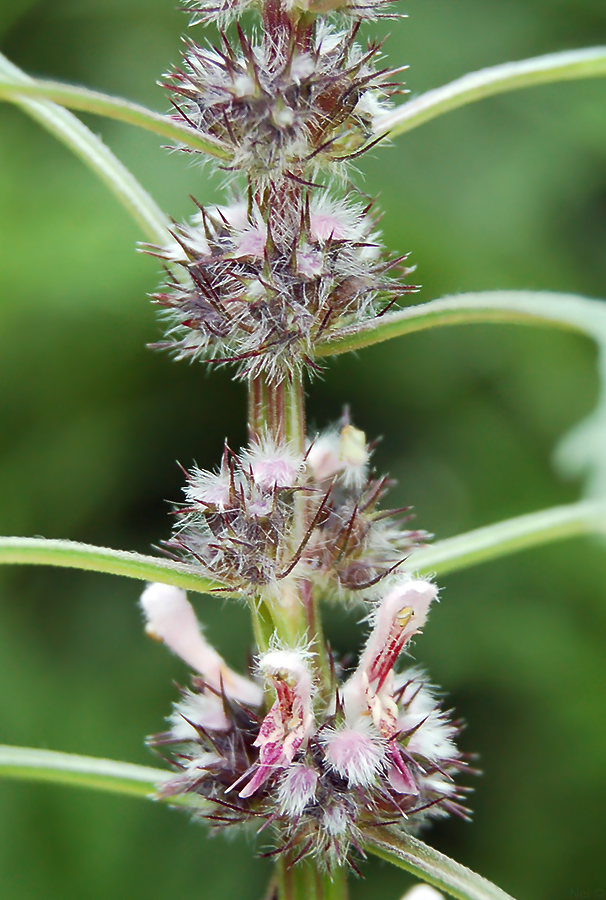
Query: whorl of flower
[(264, 297), (236, 522), (320, 768), (284, 111)]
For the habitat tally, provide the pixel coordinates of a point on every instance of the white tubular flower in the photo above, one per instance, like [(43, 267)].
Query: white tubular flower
[(170, 618)]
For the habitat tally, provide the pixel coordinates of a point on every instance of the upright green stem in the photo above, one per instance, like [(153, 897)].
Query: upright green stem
[(276, 411), (306, 881)]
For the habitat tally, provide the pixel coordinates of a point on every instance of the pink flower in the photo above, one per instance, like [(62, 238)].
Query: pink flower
[(399, 616), (290, 721), (355, 754)]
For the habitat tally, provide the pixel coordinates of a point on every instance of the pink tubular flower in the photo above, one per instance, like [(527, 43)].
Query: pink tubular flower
[(290, 721), (399, 616)]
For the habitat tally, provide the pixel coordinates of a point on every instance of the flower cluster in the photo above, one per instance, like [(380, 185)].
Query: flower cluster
[(236, 523), (263, 296), (303, 746), (318, 766), (284, 110)]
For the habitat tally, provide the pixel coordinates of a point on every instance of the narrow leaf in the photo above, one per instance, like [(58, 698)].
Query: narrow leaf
[(430, 865), (85, 771), (75, 135), (565, 66), (509, 536), (566, 311), (72, 555), (85, 100)]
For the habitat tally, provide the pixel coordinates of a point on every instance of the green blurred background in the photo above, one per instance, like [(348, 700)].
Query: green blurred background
[(510, 193)]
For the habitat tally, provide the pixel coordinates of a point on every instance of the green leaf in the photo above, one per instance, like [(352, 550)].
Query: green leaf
[(450, 555), (72, 555), (91, 150), (566, 311), (509, 536), (85, 771), (581, 452), (571, 64), (85, 100), (430, 865)]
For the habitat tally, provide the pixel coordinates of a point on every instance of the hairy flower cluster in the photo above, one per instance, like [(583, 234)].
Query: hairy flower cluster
[(263, 295), (236, 523), (284, 111), (318, 766)]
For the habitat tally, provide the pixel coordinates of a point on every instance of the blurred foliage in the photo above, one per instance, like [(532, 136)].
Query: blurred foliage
[(510, 193)]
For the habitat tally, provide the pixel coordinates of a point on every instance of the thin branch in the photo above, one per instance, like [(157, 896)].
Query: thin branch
[(571, 64), (75, 135), (72, 555), (430, 865), (510, 536), (85, 100), (565, 311)]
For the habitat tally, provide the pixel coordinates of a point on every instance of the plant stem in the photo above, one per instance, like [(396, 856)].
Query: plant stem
[(305, 881), (277, 413), (566, 311)]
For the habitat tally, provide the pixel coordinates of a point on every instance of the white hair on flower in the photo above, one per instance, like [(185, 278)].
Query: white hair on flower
[(297, 789), (356, 753), (272, 464), (432, 734)]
